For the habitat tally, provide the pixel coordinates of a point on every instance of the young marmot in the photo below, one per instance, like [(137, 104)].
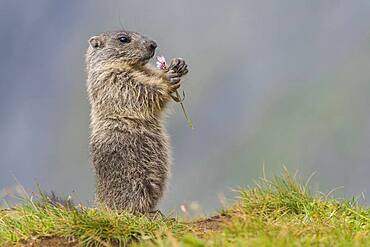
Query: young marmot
[(129, 147)]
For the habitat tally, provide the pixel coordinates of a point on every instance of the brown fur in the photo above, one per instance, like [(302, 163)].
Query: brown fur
[(129, 146)]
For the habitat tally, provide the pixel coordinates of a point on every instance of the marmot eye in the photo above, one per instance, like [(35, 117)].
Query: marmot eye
[(124, 39)]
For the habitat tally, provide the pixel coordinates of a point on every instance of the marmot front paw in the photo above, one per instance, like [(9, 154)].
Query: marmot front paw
[(179, 66), (176, 70)]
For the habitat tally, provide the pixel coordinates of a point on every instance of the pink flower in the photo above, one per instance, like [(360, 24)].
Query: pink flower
[(161, 63)]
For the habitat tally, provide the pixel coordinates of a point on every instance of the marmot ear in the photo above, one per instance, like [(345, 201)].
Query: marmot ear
[(96, 42)]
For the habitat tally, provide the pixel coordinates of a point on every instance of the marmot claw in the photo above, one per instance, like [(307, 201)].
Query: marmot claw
[(179, 66)]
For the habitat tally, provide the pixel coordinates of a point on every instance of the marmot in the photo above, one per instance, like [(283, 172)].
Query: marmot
[(129, 147)]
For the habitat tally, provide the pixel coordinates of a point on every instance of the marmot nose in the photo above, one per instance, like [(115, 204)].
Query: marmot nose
[(152, 45)]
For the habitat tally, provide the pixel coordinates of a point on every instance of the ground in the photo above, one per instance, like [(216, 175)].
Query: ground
[(277, 212)]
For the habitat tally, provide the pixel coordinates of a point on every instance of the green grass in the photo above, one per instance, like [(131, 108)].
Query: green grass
[(277, 212)]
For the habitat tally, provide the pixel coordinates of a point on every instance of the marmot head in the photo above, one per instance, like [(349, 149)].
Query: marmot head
[(120, 46)]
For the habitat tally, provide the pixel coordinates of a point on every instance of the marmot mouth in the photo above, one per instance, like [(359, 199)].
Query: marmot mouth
[(149, 56)]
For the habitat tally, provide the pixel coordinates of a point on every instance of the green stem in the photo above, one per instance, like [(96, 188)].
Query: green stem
[(184, 111)]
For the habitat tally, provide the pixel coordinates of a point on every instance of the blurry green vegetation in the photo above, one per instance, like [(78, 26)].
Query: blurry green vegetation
[(277, 212)]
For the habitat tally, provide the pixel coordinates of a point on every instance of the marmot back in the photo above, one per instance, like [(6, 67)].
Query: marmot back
[(129, 147)]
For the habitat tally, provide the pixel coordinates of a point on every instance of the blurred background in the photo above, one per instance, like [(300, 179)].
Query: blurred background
[(271, 83)]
